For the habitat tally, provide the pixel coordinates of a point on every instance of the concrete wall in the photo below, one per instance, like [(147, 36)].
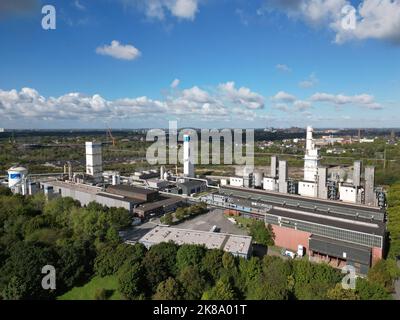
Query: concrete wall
[(357, 173), (322, 178), (274, 166), (370, 197), (283, 175)]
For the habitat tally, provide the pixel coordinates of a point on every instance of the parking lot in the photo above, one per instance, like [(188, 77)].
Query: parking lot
[(215, 217)]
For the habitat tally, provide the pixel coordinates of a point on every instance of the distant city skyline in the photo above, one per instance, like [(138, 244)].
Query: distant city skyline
[(207, 64)]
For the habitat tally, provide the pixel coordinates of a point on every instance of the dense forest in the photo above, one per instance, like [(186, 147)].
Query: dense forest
[(83, 242)]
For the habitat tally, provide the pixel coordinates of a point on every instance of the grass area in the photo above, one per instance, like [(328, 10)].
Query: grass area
[(87, 292)]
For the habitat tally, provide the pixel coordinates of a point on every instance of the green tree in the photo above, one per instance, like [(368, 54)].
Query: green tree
[(160, 263), (262, 234), (371, 291), (131, 281), (168, 289), (338, 293), (383, 274), (111, 258), (211, 264), (21, 274), (167, 219), (192, 282), (222, 290), (189, 255), (249, 271), (75, 263)]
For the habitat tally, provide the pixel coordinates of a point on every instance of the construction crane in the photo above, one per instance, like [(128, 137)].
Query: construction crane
[(109, 134)]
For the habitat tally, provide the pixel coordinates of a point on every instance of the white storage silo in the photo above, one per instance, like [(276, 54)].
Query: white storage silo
[(15, 176)]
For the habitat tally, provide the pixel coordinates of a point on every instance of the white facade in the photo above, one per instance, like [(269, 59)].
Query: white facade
[(348, 193), (94, 163), (236, 181), (270, 184), (188, 165), (16, 176), (311, 158), (308, 189)]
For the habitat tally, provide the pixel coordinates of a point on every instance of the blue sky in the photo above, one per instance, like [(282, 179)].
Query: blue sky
[(235, 63)]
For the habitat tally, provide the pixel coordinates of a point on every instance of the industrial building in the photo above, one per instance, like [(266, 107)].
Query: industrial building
[(333, 230), (190, 187), (237, 245), (139, 201), (140, 194)]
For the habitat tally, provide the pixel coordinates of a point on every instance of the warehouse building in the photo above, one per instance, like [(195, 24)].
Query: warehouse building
[(329, 230), (141, 194), (190, 187), (142, 202), (164, 205), (86, 194), (237, 245)]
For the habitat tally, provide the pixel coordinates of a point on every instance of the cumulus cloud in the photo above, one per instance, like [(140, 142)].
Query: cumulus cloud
[(157, 9), (363, 100), (242, 96), (119, 51), (375, 19), (283, 96), (191, 103), (175, 83), (283, 67), (281, 107), (301, 105)]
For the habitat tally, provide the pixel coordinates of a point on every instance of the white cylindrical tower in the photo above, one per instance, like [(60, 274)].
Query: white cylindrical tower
[(188, 166), (16, 175)]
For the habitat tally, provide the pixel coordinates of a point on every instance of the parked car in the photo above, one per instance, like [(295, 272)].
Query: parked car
[(288, 253)]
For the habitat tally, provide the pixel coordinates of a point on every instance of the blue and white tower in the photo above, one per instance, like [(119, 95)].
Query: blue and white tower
[(188, 165)]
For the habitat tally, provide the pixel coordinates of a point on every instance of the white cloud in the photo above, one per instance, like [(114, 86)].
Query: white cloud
[(242, 96), (79, 5), (283, 96), (301, 105), (119, 51), (376, 19), (175, 83), (157, 9), (363, 100), (281, 107), (283, 67), (310, 82)]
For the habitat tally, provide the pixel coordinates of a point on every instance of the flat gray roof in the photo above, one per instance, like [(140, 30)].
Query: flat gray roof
[(234, 244)]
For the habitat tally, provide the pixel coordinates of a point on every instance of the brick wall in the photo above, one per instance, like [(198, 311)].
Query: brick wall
[(290, 238)]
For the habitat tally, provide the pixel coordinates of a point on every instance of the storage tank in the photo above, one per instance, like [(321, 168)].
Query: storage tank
[(15, 175), (258, 178)]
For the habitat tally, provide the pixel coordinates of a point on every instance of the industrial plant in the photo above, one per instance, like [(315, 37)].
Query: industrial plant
[(330, 219)]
